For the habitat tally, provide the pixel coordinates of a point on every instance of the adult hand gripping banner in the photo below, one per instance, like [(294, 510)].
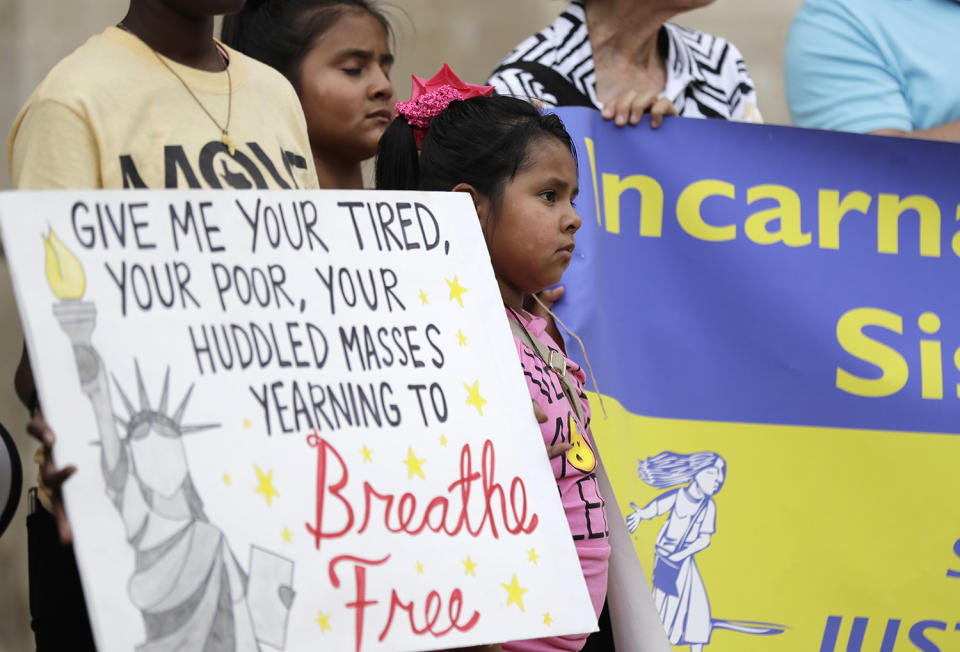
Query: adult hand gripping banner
[(772, 318)]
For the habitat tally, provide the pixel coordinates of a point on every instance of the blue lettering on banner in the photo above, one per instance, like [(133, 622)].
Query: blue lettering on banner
[(920, 635)]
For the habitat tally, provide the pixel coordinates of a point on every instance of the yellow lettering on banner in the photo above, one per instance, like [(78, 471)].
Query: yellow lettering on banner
[(688, 210), (931, 358), (651, 202), (780, 223), (787, 212), (894, 370), (956, 363), (956, 236), (592, 157), (891, 207), (832, 210)]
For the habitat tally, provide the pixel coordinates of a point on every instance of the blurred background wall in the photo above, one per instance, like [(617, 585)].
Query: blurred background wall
[(471, 36)]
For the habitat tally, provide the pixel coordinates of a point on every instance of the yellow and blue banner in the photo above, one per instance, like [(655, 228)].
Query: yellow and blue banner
[(773, 318)]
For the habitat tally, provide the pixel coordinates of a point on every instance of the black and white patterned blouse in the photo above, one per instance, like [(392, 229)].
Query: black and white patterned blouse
[(706, 76)]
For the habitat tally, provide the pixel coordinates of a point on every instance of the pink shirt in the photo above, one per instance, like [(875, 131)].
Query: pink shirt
[(574, 471)]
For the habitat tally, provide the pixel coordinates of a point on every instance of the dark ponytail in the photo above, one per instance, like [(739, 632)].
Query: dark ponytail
[(280, 33), (482, 141), (398, 161)]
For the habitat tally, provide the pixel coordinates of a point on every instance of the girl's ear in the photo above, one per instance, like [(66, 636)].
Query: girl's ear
[(480, 202)]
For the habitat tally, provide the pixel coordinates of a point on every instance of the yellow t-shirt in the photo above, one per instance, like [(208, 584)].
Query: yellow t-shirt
[(111, 115)]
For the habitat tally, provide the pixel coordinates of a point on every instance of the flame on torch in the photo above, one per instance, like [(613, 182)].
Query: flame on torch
[(64, 272)]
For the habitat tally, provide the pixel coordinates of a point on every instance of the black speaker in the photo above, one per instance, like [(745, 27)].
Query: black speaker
[(11, 479)]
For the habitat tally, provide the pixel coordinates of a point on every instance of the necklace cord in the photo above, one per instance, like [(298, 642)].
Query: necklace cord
[(583, 349), (225, 129)]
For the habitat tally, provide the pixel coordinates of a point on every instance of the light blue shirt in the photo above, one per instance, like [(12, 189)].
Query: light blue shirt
[(864, 65)]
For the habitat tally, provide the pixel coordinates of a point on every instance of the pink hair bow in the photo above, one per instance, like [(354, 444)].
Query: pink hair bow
[(429, 97)]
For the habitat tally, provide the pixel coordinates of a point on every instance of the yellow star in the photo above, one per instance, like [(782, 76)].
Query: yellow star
[(468, 566), (266, 484), (456, 290), (367, 454), (423, 296), (443, 441), (287, 535), (514, 593), (246, 423), (547, 620), (413, 464), (473, 396), (226, 478), (462, 338), (323, 620), (533, 556), (419, 568)]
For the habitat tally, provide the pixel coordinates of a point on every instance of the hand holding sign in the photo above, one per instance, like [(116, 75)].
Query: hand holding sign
[(52, 477)]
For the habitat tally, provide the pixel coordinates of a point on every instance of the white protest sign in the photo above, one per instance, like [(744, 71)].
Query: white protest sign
[(298, 421)]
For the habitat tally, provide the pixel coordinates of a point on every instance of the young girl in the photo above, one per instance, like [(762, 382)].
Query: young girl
[(336, 53), (518, 167)]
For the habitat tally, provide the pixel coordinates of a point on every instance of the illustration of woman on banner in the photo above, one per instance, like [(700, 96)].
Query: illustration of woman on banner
[(678, 588)]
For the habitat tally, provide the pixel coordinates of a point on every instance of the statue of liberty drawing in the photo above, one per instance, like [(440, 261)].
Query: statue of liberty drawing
[(678, 589), (192, 592)]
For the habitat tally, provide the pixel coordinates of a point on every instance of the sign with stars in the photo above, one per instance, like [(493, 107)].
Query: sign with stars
[(298, 420)]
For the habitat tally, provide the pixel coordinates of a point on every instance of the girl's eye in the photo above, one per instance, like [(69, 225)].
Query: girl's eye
[(549, 195), (353, 72)]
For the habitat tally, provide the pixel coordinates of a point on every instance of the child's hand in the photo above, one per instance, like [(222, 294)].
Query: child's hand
[(50, 476), (547, 298), (538, 412), (629, 107), (553, 450)]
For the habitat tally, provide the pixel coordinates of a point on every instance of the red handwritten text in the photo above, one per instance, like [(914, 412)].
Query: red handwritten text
[(431, 608), (450, 513)]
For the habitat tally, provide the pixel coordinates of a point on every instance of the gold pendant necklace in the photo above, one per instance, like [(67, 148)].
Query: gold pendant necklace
[(224, 129)]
